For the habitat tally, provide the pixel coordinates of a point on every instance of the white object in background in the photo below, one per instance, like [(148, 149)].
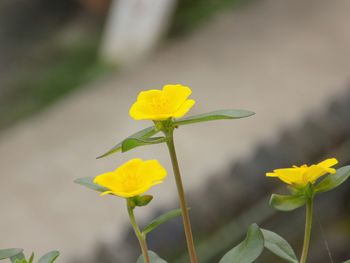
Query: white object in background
[(133, 29)]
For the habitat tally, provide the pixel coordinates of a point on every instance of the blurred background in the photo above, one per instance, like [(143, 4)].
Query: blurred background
[(70, 69)]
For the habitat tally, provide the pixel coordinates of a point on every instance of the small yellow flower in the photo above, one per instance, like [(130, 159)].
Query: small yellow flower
[(301, 176), (162, 104), (132, 178)]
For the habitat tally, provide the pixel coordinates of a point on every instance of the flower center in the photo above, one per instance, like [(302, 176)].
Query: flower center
[(160, 104), (132, 182)]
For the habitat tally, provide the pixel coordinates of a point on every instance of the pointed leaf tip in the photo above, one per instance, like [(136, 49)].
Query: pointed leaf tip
[(49, 257), (248, 250), (279, 246), (214, 115), (161, 219), (31, 258), (89, 183), (142, 134)]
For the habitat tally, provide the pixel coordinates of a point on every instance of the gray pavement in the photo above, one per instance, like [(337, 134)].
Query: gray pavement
[(282, 59)]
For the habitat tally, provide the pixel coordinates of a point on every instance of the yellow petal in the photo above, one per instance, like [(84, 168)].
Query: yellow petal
[(130, 166), (328, 163), (271, 174), (313, 173), (105, 179), (289, 175), (138, 113), (185, 107), (303, 175), (154, 170), (176, 95), (144, 188), (149, 95), (132, 178), (282, 178), (146, 105), (162, 104), (106, 193)]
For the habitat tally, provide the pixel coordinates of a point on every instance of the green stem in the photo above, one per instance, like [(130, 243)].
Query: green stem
[(308, 226), (182, 199), (140, 236)]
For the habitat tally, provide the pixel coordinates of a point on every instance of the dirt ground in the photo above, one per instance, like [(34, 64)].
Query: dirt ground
[(282, 59)]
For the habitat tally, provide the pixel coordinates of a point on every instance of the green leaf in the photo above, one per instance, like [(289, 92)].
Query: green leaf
[(331, 181), (279, 246), (10, 252), (143, 134), (131, 142), (248, 250), (347, 261), (31, 258), (214, 115), (89, 183), (154, 258), (287, 202), (161, 219), (49, 257), (19, 258)]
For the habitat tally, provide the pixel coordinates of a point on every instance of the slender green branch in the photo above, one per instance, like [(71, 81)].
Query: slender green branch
[(140, 236), (308, 226), (182, 198)]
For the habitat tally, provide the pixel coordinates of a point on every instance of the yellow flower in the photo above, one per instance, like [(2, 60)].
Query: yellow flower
[(301, 176), (162, 104), (132, 178)]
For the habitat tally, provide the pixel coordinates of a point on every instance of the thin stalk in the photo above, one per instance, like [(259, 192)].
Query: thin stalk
[(182, 198), (140, 236), (308, 226)]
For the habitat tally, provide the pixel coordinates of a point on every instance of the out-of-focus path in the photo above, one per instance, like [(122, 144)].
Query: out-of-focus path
[(281, 59)]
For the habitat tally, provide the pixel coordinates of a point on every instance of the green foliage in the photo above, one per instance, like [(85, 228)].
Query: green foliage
[(287, 202), (88, 182), (214, 115), (154, 258), (279, 246), (144, 137), (19, 260), (332, 181), (347, 261), (131, 143), (299, 196), (30, 260), (16, 256), (143, 134), (248, 250), (10, 252), (161, 219), (49, 257)]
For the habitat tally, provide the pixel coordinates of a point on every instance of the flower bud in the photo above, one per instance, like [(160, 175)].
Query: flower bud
[(143, 200)]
